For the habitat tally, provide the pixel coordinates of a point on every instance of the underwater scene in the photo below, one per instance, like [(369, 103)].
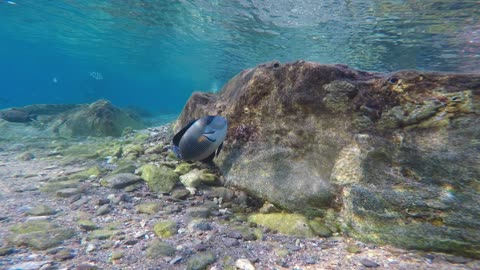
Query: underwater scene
[(239, 134)]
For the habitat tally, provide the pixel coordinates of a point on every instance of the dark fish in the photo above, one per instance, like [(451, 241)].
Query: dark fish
[(18, 116), (201, 139)]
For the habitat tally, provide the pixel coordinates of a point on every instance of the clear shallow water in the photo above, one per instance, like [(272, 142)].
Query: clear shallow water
[(153, 54)]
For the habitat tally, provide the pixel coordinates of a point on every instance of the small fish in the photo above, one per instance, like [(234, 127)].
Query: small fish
[(201, 140), (96, 75), (18, 116), (10, 2)]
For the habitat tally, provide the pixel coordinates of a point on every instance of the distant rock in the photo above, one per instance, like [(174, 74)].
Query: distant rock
[(396, 153), (100, 118)]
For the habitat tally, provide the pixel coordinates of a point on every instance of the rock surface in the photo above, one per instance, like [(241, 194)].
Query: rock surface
[(396, 155)]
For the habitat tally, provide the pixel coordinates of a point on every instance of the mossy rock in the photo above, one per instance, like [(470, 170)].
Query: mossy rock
[(158, 249), (165, 229), (33, 226), (141, 137), (200, 261), (149, 208), (114, 150), (319, 228), (94, 170), (183, 168), (209, 178), (171, 156), (41, 210), (191, 179), (289, 224), (102, 234), (160, 179), (125, 168), (39, 235), (87, 225), (134, 150), (156, 149), (56, 186), (81, 150)]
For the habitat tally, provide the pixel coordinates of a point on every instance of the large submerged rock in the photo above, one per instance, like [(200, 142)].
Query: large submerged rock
[(397, 155), (100, 118)]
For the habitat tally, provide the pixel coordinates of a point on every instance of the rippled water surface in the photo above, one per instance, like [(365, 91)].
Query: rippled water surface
[(153, 54)]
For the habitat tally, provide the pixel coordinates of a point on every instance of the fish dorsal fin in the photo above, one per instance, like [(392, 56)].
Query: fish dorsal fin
[(219, 149), (179, 135), (209, 159)]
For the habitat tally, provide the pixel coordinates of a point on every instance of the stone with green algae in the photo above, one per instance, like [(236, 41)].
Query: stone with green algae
[(183, 168), (160, 179), (165, 229), (39, 234), (149, 208), (289, 224)]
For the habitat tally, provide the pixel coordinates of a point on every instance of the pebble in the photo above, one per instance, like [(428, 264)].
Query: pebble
[(180, 194), (75, 198), (230, 242), (63, 254), (121, 180), (199, 225), (369, 263), (130, 242), (175, 260), (235, 234), (83, 200), (456, 259), (68, 192), (29, 265), (198, 212), (200, 247), (103, 210), (244, 264), (90, 248), (116, 255), (86, 266)]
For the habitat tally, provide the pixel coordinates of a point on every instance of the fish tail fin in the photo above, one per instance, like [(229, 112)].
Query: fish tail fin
[(176, 151)]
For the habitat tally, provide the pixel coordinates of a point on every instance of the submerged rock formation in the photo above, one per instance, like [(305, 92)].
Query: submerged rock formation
[(396, 155), (100, 118)]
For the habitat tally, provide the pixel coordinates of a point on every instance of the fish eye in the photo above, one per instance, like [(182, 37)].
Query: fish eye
[(393, 80)]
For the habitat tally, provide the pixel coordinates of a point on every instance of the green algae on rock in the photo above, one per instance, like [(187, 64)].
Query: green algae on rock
[(160, 179), (39, 234), (41, 210), (289, 224), (200, 261), (158, 249), (148, 208), (183, 168), (396, 155), (165, 229), (120, 180)]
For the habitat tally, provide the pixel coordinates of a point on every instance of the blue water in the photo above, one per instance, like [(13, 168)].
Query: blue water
[(154, 54)]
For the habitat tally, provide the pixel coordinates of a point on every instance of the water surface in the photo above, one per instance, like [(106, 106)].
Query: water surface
[(153, 54)]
